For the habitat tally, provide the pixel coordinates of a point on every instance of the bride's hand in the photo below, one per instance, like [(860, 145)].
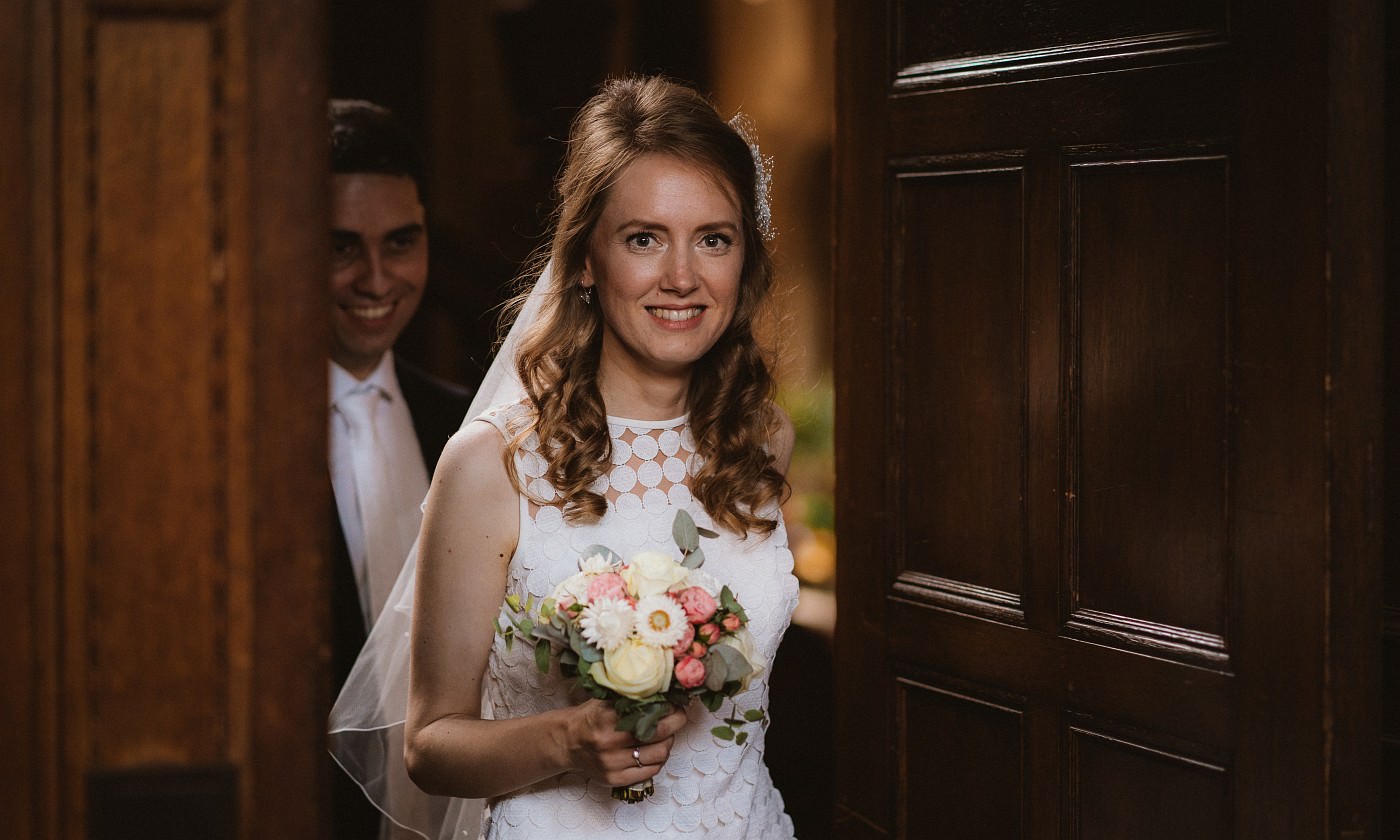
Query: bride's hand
[(602, 753)]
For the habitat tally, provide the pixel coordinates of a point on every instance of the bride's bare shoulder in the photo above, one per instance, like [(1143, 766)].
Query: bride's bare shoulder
[(474, 460)]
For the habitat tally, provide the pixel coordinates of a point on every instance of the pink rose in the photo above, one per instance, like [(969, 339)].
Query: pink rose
[(690, 672), (708, 633), (610, 585), (698, 604), (731, 622), (687, 636), (698, 649)]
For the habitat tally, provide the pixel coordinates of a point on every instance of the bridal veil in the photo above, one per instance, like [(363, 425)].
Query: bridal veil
[(367, 721)]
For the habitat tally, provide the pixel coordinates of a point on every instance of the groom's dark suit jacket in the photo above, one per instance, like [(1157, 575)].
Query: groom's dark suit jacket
[(437, 408)]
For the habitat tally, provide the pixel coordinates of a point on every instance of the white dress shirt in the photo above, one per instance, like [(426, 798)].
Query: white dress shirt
[(394, 427)]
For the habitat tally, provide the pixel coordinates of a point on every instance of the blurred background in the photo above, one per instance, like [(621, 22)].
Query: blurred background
[(490, 89)]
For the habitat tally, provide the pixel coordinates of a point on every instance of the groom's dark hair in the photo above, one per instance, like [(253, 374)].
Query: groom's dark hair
[(368, 139)]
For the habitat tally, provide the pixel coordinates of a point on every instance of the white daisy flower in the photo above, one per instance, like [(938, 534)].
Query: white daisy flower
[(608, 623), (595, 564), (660, 620)]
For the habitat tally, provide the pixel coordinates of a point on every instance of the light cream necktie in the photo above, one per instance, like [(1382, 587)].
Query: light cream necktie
[(388, 508)]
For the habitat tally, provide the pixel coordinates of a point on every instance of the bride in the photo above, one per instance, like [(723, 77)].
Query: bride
[(631, 387)]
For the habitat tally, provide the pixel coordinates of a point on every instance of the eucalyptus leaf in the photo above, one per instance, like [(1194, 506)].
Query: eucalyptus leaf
[(683, 530), (755, 715), (646, 724), (542, 658), (694, 559), (550, 633), (716, 671), (736, 666), (723, 733), (707, 533), (741, 738), (589, 653)]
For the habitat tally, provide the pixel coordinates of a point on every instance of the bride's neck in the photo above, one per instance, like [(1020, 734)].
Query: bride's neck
[(651, 398)]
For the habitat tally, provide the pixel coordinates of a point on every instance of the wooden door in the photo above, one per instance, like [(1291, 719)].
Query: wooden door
[(164, 658), (1108, 386)]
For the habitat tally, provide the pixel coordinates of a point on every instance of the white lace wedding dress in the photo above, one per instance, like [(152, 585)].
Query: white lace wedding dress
[(708, 788)]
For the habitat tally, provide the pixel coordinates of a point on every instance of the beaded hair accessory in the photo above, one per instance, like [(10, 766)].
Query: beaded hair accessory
[(763, 173)]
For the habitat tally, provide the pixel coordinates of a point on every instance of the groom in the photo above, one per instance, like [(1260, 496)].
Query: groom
[(388, 420)]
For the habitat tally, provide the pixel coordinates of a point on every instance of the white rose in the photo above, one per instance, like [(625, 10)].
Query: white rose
[(575, 586), (742, 641), (706, 581), (635, 669), (652, 573)]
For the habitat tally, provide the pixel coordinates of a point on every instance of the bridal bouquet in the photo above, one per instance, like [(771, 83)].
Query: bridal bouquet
[(646, 634)]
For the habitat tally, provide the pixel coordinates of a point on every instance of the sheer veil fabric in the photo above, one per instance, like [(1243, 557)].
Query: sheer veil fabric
[(367, 721)]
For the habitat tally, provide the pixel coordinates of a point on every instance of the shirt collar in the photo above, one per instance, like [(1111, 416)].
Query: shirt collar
[(342, 382)]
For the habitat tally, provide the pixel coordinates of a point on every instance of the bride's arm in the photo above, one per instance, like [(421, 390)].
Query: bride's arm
[(470, 529)]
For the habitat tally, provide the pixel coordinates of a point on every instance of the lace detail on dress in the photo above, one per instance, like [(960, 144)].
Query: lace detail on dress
[(708, 788)]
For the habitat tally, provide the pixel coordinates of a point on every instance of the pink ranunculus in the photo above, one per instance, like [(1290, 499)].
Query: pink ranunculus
[(708, 633), (610, 585), (690, 672), (698, 604), (698, 649), (687, 636), (731, 622)]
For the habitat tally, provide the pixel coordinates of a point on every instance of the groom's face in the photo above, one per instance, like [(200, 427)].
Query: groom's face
[(379, 265)]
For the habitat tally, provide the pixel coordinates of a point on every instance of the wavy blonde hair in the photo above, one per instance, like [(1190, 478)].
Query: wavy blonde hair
[(730, 399)]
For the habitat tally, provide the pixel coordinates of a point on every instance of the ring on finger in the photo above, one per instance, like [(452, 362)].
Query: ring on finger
[(637, 755)]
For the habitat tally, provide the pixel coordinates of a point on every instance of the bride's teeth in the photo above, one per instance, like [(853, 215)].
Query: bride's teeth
[(676, 314)]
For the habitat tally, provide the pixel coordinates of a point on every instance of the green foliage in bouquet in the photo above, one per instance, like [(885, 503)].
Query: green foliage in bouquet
[(556, 633)]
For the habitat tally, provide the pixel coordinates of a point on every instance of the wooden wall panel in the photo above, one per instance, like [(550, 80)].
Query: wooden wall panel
[(1150, 456), (168, 653), (958, 303), (154, 608), (28, 762), (286, 332), (968, 756)]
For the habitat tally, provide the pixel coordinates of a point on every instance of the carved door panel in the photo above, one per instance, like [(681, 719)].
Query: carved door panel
[(1107, 379)]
